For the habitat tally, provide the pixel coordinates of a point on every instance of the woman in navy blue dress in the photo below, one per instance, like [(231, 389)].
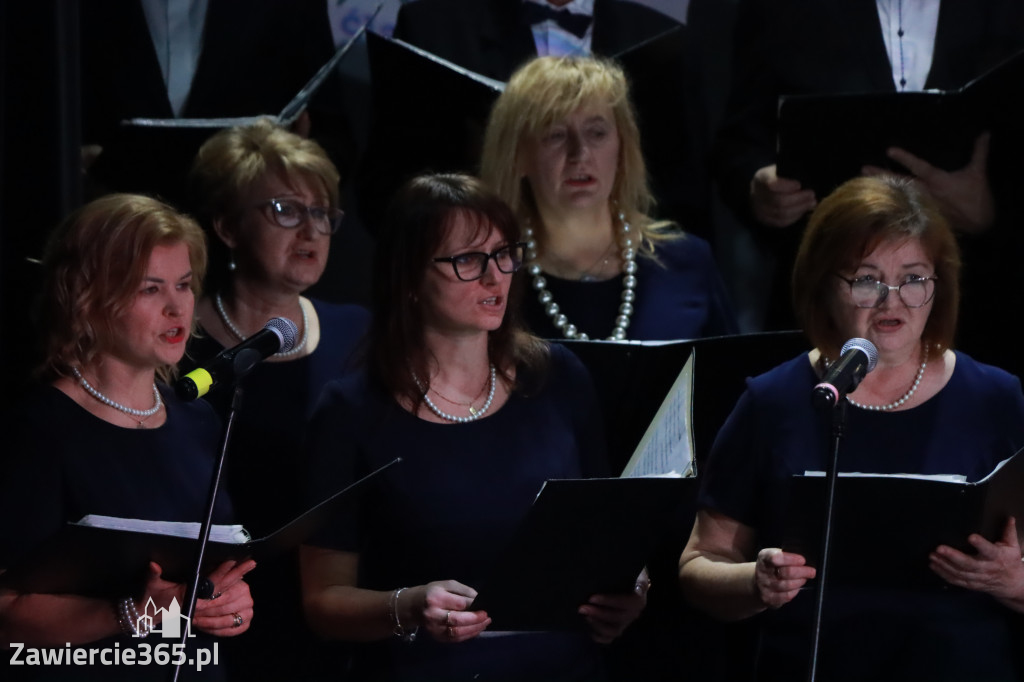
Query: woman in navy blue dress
[(106, 436), (562, 147), (269, 198), (482, 413), (878, 262)]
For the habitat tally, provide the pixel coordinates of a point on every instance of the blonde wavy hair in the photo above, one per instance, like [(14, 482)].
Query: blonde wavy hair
[(95, 263), (232, 161), (545, 91)]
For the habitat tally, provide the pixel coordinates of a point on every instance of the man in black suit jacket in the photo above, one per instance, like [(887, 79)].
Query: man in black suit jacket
[(832, 46), (492, 38), (255, 57)]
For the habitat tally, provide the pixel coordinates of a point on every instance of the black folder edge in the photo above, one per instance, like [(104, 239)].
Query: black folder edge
[(632, 380), (288, 114), (398, 68), (623, 56), (800, 116), (107, 562), (899, 521), (581, 537), (495, 85)]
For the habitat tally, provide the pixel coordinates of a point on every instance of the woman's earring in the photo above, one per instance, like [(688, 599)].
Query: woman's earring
[(231, 262)]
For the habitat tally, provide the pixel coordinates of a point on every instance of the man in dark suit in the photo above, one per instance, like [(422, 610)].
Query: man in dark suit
[(253, 58), (494, 37), (790, 47)]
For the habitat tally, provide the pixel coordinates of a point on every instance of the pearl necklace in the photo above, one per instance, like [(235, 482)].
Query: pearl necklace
[(130, 411), (241, 337), (552, 309), (472, 409), (906, 396), (473, 414)]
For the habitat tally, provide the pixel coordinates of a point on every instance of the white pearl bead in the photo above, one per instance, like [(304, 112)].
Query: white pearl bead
[(629, 282)]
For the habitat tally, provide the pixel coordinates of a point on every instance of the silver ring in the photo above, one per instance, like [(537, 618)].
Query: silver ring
[(238, 620), (215, 595), (448, 618), (451, 632)]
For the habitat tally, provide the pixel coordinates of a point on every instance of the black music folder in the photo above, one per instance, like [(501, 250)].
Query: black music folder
[(893, 521), (153, 155), (824, 140), (108, 560), (633, 379), (581, 537), (429, 115)]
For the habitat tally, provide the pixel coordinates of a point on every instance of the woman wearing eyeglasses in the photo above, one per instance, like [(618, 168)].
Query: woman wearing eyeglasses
[(562, 147), (269, 199), (482, 413), (878, 261)]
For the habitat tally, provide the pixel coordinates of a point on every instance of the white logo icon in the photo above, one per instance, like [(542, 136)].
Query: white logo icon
[(170, 623)]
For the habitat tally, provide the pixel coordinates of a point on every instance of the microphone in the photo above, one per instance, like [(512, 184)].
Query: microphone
[(277, 336), (857, 358)]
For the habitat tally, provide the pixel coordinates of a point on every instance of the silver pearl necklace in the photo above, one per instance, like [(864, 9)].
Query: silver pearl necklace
[(552, 309), (139, 415), (906, 396), (473, 414), (219, 304)]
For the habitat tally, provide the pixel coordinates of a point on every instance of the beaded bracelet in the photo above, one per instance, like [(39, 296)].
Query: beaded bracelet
[(129, 620), (402, 633)]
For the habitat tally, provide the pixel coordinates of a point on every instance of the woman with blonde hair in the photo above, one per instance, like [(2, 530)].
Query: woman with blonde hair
[(562, 147), (270, 201), (105, 435)]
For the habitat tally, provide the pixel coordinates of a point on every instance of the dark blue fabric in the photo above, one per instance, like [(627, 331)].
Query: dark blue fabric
[(452, 504), (679, 295), (68, 463), (265, 474), (974, 422), (263, 470)]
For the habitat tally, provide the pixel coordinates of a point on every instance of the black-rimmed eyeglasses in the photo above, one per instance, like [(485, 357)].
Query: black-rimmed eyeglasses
[(290, 214), (868, 292), (472, 265)]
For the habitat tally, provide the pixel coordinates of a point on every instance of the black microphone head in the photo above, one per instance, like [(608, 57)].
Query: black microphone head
[(865, 347), (286, 331)]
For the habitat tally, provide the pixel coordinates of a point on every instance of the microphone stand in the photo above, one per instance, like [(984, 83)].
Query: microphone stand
[(838, 431), (192, 589)]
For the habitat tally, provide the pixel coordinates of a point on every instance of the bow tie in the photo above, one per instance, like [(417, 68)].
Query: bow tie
[(577, 24)]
